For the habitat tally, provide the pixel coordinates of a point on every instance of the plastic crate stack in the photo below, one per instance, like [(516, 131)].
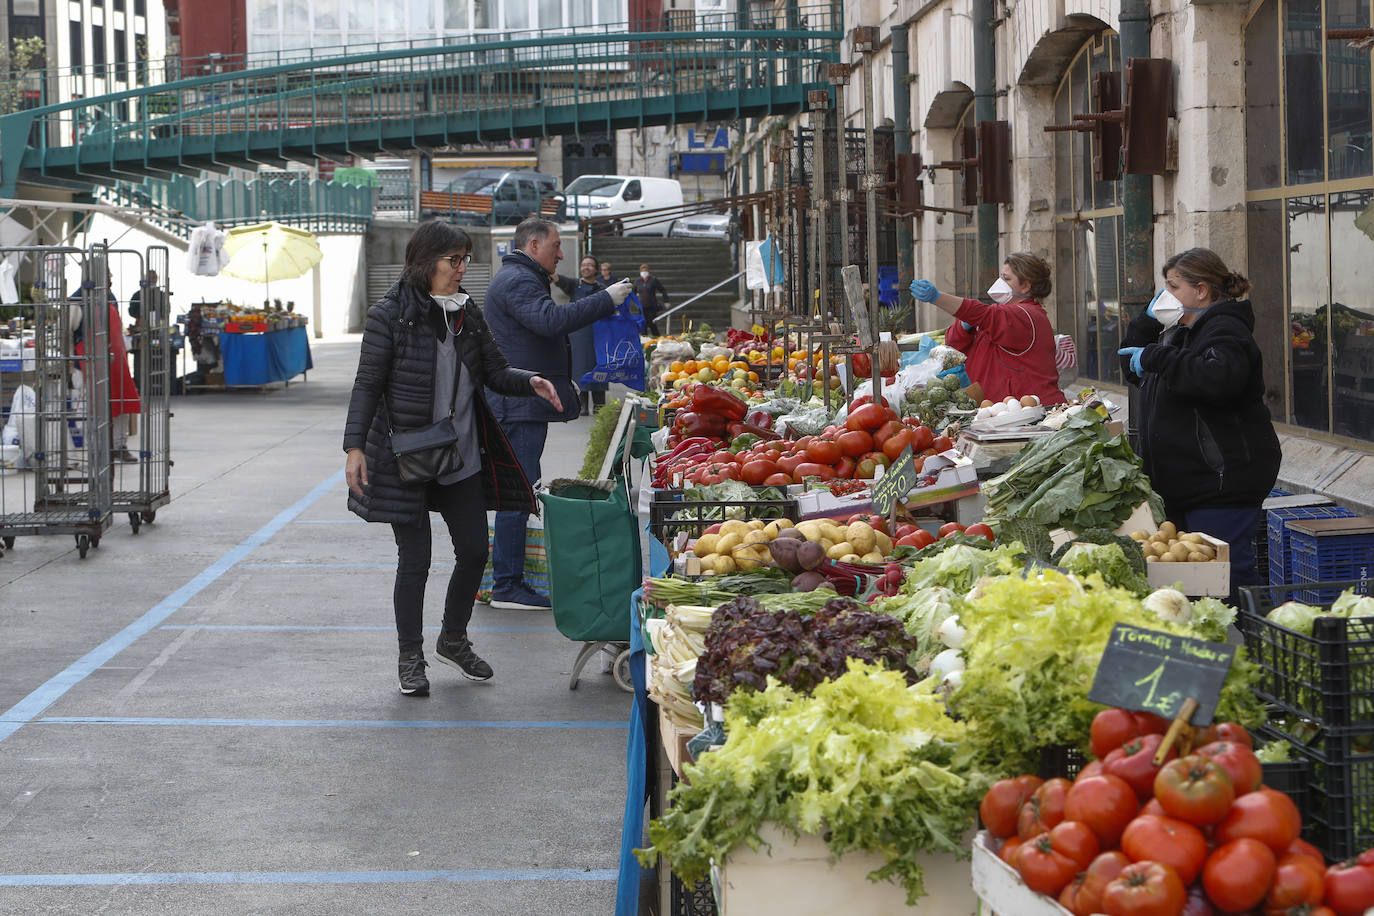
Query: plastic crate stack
[(1320, 690), (1280, 556), (1329, 549), (1261, 541)]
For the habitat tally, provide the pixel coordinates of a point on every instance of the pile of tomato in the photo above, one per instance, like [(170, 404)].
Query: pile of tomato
[(1198, 835)]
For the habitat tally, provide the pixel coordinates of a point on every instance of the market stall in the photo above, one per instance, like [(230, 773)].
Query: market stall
[(236, 347), (859, 637)]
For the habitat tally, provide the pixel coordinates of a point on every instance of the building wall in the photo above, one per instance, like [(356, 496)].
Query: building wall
[(212, 28), (89, 37)]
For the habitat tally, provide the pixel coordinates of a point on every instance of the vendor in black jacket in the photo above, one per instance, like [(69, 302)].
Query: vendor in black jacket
[(427, 350), (533, 331), (1205, 435)]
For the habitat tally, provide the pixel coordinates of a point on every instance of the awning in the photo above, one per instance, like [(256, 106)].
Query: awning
[(519, 161)]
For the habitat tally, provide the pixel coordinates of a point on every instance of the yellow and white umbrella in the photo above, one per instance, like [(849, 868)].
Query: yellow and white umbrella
[(270, 251)]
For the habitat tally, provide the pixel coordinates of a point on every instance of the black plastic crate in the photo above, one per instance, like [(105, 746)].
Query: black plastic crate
[(1291, 778), (1338, 805), (670, 513), (1327, 677), (1060, 760)]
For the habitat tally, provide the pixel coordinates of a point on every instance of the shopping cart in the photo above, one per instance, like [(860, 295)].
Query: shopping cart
[(55, 386)]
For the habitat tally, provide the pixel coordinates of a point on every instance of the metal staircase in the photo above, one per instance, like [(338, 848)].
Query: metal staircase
[(537, 84), (685, 266)]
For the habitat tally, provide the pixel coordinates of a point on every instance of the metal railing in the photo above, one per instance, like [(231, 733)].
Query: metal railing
[(493, 86), (701, 295)]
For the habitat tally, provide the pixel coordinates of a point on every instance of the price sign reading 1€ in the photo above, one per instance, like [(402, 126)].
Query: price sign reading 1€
[(896, 482), (1153, 671)]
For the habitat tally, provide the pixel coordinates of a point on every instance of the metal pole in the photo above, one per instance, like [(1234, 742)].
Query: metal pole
[(901, 106), (839, 78), (820, 101), (872, 182), (1137, 195), (985, 109)]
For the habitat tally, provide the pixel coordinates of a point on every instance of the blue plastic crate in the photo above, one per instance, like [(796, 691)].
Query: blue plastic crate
[(1280, 557), (1322, 556)]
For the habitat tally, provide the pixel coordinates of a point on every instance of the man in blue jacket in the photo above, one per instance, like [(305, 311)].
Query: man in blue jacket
[(532, 331)]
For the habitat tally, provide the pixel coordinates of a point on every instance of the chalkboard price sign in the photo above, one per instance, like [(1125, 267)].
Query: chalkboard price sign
[(896, 482), (1154, 671)]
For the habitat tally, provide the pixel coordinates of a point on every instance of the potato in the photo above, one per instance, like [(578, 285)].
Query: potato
[(705, 544), (724, 565), (729, 542), (1205, 549), (745, 564), (860, 534), (1191, 537), (842, 549), (1151, 558), (884, 546), (1179, 552), (783, 523), (1166, 558), (757, 537), (1195, 557), (872, 557), (734, 526), (832, 531), (1140, 535), (1168, 530), (850, 558), (811, 529), (756, 524), (1158, 548)]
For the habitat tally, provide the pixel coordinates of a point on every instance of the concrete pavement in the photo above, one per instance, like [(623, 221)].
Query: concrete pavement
[(203, 717)]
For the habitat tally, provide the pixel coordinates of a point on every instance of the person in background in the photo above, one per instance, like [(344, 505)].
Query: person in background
[(426, 352), (584, 341), (149, 298), (533, 330), (1205, 435), (1009, 344), (124, 399), (604, 279), (649, 288)]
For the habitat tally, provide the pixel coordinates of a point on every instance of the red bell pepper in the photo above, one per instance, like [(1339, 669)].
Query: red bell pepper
[(706, 399), (760, 418)]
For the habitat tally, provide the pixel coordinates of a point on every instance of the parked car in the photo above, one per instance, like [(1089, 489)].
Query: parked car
[(703, 226), (514, 194), (592, 196)]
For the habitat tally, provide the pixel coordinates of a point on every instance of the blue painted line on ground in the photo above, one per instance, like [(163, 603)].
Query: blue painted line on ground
[(282, 626), (445, 876), (313, 723), (333, 565), (330, 521), (29, 708)]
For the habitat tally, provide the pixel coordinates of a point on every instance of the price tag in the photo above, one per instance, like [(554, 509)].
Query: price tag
[(1153, 671), (895, 484)]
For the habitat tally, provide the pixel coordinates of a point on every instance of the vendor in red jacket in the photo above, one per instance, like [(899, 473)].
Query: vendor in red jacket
[(1010, 344)]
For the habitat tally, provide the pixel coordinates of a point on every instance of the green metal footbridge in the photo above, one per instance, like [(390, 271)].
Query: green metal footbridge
[(421, 96)]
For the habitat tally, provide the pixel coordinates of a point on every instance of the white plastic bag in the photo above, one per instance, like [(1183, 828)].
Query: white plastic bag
[(23, 410)]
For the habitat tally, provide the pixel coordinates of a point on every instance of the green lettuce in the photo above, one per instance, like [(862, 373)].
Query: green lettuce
[(1108, 560)]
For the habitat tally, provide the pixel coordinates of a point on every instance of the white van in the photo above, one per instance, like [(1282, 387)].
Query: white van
[(592, 196)]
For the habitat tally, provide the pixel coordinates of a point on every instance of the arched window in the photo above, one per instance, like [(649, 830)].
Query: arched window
[(965, 227), (1310, 219), (1087, 221)]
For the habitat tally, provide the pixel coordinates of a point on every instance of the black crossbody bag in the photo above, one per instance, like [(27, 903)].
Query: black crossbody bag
[(430, 452)]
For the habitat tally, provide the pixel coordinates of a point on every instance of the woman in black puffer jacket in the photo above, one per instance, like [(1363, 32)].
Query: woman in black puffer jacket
[(427, 351), (1205, 435)]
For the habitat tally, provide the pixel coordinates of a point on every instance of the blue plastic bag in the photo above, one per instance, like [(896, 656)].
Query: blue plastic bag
[(615, 343)]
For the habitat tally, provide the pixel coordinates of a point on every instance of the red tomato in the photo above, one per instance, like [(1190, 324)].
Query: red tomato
[(729, 471), (1151, 724), (757, 471), (1194, 789), (1077, 841), (1011, 848), (1144, 889), (846, 467), (878, 458), (942, 444), (865, 469), (854, 442), (787, 464), (1105, 803), (1304, 848), (980, 528), (949, 528), (898, 442), (862, 364), (824, 451), (811, 469), (1111, 728), (1083, 897), (1134, 762), (1177, 844), (924, 438), (1003, 802), (1044, 809), (722, 456), (1266, 815), (1045, 869), (1090, 769), (868, 417), (1349, 888), (778, 480), (1154, 807), (887, 431), (1298, 881), (1225, 731), (713, 529), (1239, 762), (918, 539), (904, 529), (1237, 875)]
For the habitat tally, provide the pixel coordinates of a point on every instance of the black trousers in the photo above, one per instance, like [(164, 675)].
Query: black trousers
[(463, 508)]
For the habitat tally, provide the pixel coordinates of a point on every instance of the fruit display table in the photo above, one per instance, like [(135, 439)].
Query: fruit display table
[(259, 359)]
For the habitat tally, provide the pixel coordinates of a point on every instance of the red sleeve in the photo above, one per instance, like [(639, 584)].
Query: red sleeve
[(1007, 325), (958, 338)]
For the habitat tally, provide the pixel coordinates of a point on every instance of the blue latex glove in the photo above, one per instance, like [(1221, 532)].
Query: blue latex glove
[(1134, 354), (924, 291), (967, 326), (1150, 309)]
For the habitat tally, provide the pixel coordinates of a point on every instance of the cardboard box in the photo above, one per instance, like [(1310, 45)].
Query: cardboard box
[(1199, 580), (955, 477), (675, 738), (801, 877), (999, 886)]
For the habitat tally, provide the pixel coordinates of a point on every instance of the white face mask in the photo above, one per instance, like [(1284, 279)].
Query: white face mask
[(1168, 310), (1001, 292), (452, 303), (644, 274)]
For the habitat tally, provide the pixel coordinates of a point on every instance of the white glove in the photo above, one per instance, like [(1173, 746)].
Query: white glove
[(620, 291)]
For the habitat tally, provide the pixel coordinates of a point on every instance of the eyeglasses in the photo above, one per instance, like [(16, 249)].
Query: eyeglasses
[(457, 260)]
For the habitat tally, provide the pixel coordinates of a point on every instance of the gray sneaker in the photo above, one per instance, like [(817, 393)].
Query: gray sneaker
[(412, 671), (459, 654)]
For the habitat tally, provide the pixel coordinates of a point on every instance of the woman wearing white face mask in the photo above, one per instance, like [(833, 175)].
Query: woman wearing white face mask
[(1010, 345), (1205, 434)]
